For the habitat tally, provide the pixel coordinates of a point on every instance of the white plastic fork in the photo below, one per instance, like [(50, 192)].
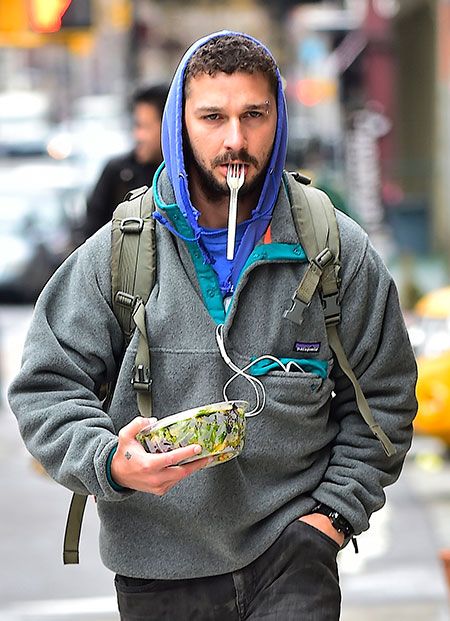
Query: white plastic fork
[(235, 180)]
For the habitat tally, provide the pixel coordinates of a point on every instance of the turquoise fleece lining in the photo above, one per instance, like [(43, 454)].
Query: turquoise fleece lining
[(208, 281), (276, 251), (114, 485), (263, 367), (209, 284), (207, 278)]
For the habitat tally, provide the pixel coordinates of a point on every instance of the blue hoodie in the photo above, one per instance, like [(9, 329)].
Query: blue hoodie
[(251, 231)]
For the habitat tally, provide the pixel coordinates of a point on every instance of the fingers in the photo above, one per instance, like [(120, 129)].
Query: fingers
[(173, 458), (172, 474), (137, 424), (128, 433), (155, 473), (193, 466)]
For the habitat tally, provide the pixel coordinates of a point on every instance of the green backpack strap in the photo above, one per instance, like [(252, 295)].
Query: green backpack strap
[(133, 269), (71, 554), (315, 221)]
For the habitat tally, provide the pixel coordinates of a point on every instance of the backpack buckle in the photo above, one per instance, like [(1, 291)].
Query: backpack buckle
[(132, 225), (324, 258), (331, 309), (125, 299), (141, 379), (295, 313)]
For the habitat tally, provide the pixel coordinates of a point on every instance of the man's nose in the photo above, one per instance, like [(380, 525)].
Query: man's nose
[(235, 138)]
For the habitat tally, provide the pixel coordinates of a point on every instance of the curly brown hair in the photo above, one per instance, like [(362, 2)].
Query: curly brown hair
[(228, 54)]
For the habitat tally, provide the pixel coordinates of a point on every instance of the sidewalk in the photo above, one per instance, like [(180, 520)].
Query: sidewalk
[(405, 581)]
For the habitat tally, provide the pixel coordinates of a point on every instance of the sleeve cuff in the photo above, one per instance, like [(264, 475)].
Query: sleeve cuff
[(116, 487)]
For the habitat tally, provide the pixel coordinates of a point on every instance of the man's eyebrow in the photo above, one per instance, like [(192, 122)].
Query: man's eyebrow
[(250, 106), (209, 109)]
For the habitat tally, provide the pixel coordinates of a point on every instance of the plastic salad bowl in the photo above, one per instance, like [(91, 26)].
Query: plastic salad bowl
[(219, 428)]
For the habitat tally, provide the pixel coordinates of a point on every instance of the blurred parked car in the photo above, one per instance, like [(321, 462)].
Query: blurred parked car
[(39, 211), (25, 126), (430, 337)]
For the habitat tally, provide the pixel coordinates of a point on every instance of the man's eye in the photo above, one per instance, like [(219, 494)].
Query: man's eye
[(254, 114), (212, 117)]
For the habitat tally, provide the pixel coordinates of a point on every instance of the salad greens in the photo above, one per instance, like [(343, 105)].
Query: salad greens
[(219, 429)]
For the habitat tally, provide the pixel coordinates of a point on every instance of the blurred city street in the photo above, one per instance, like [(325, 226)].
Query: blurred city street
[(367, 88), (397, 576)]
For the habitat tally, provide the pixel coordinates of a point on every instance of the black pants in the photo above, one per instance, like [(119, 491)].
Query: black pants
[(295, 579)]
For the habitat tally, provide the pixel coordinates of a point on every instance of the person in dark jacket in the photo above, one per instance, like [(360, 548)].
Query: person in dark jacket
[(132, 170)]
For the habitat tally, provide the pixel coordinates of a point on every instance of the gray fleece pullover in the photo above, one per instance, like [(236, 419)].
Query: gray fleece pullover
[(306, 446)]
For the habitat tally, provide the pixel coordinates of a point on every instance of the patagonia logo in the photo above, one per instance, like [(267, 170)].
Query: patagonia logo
[(306, 348)]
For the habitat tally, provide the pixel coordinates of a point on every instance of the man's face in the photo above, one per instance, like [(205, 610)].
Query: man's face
[(147, 133), (229, 118)]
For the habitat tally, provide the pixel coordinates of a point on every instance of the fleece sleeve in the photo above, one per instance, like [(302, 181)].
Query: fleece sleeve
[(375, 340), (72, 347)]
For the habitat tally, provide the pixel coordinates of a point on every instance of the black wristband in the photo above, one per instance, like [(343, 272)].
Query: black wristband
[(338, 521)]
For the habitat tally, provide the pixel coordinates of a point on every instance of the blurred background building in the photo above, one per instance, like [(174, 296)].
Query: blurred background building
[(367, 83)]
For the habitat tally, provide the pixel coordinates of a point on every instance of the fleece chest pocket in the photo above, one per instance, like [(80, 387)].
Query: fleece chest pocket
[(297, 389), (296, 417)]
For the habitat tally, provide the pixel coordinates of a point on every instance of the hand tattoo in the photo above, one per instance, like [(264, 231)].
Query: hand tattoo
[(128, 455)]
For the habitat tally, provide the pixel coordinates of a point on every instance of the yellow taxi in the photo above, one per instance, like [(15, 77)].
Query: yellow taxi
[(430, 336)]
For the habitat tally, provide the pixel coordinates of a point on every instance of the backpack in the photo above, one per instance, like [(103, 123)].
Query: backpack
[(133, 269)]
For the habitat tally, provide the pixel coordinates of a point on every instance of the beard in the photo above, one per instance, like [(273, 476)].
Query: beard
[(212, 187)]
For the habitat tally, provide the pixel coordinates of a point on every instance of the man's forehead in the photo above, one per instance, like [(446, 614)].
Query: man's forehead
[(219, 90)]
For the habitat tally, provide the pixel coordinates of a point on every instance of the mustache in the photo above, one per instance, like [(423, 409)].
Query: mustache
[(232, 156)]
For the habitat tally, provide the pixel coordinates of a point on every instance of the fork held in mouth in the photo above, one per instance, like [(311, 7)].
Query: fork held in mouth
[(235, 180)]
